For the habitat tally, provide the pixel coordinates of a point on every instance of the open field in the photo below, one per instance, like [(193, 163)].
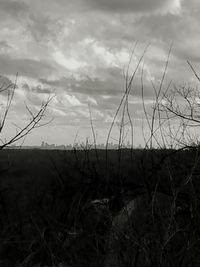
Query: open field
[(60, 207)]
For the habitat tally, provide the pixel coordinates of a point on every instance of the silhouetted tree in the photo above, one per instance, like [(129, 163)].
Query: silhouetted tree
[(33, 123)]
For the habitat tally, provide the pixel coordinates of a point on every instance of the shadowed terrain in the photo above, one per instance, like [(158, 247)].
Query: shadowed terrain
[(63, 207)]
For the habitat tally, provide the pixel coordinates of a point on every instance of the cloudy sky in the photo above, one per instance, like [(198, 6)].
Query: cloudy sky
[(78, 51)]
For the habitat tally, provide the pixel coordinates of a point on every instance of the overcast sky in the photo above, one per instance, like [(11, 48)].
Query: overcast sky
[(78, 51)]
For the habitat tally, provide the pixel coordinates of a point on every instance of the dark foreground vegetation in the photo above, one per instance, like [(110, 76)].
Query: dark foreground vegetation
[(72, 208)]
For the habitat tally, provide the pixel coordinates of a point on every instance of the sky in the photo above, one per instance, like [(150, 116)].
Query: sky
[(78, 52)]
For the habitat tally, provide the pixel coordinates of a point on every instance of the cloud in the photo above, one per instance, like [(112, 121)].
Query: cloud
[(43, 27), (171, 6), (25, 67), (63, 7), (5, 85), (14, 9), (89, 86), (66, 100), (4, 47), (70, 63), (37, 89)]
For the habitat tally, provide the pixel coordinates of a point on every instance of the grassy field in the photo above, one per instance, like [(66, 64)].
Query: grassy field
[(58, 208)]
